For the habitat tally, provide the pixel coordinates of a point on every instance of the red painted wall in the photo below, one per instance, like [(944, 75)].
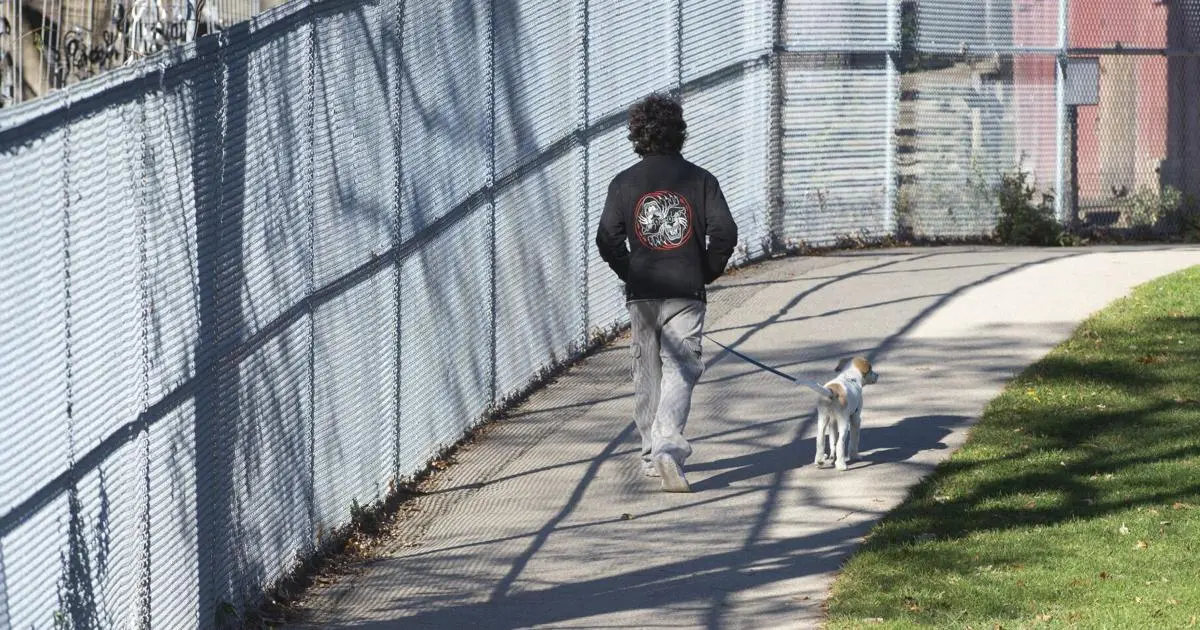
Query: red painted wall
[(1123, 139), (1132, 115)]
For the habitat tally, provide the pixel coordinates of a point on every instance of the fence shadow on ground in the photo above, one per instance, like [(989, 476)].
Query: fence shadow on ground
[(705, 580)]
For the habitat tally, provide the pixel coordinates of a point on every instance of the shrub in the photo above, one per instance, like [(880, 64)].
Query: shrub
[(1022, 222), (1147, 206), (1182, 217)]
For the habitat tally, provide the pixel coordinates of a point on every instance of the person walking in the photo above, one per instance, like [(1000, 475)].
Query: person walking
[(666, 231)]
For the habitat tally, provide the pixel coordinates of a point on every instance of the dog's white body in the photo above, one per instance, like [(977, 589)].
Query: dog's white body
[(840, 416)]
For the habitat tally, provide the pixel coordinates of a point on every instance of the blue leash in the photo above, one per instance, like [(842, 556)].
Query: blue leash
[(809, 383)]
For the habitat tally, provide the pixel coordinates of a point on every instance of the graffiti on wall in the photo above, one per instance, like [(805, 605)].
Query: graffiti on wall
[(43, 50)]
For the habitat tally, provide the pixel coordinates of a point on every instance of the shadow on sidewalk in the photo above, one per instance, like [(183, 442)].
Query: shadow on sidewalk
[(894, 443), (703, 583)]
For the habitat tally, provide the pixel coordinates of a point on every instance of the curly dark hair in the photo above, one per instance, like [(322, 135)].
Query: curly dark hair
[(656, 125)]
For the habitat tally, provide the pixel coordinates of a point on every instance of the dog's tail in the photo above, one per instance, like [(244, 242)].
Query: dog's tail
[(816, 387)]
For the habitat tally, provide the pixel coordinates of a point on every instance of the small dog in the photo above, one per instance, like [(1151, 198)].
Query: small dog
[(840, 416)]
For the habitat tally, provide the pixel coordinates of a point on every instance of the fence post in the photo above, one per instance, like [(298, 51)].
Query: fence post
[(311, 242), (893, 47), (584, 141), (398, 195), (1073, 121), (679, 48), (491, 197), (775, 224), (1060, 114)]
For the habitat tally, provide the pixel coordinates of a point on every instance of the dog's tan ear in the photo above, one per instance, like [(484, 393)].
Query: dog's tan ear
[(839, 392), (842, 365), (862, 364)]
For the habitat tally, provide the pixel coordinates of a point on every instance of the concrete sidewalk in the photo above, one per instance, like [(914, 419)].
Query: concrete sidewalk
[(548, 522)]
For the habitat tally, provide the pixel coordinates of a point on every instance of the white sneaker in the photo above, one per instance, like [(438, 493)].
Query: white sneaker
[(671, 473)]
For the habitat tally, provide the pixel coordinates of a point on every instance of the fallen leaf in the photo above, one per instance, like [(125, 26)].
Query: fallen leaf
[(1044, 617), (1104, 575), (873, 620), (1153, 511), (1124, 530), (1179, 506), (1173, 601), (1192, 623), (1137, 599), (1141, 544), (1030, 505)]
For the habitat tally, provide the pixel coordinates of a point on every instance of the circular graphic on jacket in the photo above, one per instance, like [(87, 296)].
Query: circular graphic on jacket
[(663, 220)]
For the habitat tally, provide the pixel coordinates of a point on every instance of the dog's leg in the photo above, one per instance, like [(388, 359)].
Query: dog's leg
[(833, 438), (822, 425), (843, 436), (855, 427)]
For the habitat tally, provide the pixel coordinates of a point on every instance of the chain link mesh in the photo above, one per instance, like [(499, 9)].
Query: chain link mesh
[(848, 25), (835, 148), (963, 124), (985, 26)]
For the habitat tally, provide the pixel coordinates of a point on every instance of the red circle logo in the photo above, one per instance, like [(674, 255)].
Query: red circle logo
[(662, 220)]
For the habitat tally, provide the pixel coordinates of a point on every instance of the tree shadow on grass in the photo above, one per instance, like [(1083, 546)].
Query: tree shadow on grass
[(1062, 461)]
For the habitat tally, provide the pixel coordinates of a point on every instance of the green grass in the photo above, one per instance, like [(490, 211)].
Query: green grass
[(1076, 500)]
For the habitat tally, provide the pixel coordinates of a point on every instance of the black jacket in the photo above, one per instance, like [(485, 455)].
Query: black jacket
[(679, 231)]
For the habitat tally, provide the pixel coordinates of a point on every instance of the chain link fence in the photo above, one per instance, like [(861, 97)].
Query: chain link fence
[(259, 279), (264, 277), (1094, 99)]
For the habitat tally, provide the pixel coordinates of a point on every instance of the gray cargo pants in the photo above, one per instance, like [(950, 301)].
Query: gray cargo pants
[(666, 366)]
